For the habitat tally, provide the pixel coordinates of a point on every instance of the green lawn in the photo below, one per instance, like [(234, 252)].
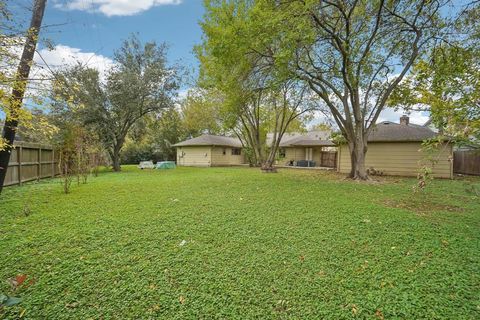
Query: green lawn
[(233, 243)]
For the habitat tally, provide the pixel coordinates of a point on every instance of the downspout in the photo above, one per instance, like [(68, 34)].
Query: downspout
[(338, 157)]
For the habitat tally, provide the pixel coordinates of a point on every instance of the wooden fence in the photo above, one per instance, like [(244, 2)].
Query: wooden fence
[(30, 161), (328, 159), (466, 162)]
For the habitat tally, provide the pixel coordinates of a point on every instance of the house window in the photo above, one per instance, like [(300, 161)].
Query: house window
[(236, 151), (282, 153), (224, 151)]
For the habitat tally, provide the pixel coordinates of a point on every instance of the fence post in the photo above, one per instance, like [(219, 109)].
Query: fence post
[(53, 163), (39, 171), (20, 165)]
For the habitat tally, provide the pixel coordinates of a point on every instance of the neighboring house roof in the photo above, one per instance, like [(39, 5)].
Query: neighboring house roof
[(289, 136), (211, 140), (387, 131), (306, 141)]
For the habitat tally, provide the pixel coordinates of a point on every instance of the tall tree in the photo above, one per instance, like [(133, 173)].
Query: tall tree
[(446, 82), (273, 109), (167, 130), (140, 83), (15, 101), (200, 112), (352, 54), (254, 99)]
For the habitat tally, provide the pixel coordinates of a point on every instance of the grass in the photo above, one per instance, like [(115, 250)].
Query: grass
[(233, 243)]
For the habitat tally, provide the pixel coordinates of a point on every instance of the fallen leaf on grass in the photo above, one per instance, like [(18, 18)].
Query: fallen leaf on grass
[(379, 314), (7, 301), (155, 307), (17, 281), (21, 278), (282, 306), (181, 299), (71, 305), (354, 309)]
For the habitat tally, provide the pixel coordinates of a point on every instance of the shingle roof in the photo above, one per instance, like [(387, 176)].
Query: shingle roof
[(288, 136), (306, 141), (211, 140), (388, 131)]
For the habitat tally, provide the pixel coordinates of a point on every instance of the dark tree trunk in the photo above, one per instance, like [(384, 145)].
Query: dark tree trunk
[(267, 165), (19, 86), (358, 150), (116, 159)]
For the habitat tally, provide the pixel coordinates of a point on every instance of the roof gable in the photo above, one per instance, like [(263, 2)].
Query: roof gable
[(211, 140)]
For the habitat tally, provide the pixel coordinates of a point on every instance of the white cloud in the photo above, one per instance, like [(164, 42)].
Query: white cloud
[(62, 56), (46, 61), (53, 59), (40, 75), (114, 7)]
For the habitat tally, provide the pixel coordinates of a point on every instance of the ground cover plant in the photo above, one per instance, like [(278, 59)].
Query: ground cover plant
[(233, 243)]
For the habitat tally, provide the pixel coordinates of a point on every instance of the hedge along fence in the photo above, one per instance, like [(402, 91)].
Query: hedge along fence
[(31, 161)]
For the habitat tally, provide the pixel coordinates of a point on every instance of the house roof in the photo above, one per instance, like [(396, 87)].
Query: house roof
[(387, 131), (290, 136), (306, 141), (211, 140)]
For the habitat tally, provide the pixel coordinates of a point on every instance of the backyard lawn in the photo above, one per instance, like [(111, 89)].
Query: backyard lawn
[(233, 243)]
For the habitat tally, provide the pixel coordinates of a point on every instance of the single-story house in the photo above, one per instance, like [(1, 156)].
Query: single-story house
[(210, 150), (308, 151), (396, 149)]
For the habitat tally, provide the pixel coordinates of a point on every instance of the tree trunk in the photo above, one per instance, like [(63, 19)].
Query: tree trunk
[(115, 152), (358, 150), (116, 159), (257, 147), (268, 163), (19, 86)]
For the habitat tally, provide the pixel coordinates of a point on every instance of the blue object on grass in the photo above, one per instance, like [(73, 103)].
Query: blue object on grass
[(165, 165)]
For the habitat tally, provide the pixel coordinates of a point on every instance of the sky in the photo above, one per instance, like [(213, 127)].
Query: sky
[(90, 30)]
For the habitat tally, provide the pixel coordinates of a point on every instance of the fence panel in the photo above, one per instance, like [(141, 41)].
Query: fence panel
[(466, 162), (329, 159), (30, 161)]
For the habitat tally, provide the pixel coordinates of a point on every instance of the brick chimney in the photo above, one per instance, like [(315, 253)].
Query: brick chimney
[(404, 120)]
